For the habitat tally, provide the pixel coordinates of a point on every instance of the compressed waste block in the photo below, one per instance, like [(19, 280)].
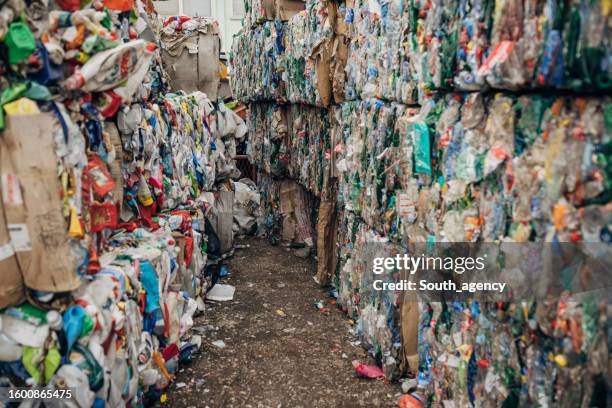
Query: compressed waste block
[(191, 50), (103, 238)]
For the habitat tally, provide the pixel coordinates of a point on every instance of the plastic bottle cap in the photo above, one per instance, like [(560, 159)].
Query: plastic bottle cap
[(55, 320)]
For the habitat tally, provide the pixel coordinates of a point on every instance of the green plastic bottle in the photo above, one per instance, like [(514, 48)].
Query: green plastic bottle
[(20, 42)]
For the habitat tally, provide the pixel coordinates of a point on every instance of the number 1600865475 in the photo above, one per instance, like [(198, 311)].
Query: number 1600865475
[(48, 394)]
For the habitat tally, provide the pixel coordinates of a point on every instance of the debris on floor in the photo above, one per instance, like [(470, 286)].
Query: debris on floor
[(278, 361), (221, 293)]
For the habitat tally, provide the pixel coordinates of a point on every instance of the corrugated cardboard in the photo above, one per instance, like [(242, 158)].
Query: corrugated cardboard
[(285, 9), (288, 231), (37, 226), (194, 66), (339, 56), (115, 166), (327, 227), (12, 290), (269, 7), (323, 61), (409, 325)]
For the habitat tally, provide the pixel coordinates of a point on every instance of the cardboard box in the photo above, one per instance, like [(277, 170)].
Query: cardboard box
[(37, 226)]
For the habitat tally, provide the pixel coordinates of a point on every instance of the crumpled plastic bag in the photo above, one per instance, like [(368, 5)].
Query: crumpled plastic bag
[(246, 205), (109, 69)]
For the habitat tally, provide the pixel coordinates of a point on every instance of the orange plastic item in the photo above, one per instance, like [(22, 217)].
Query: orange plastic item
[(408, 401), (78, 40), (159, 360), (93, 266), (120, 5)]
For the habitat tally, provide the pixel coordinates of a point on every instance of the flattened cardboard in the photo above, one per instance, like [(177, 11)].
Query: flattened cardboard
[(323, 72), (115, 166), (269, 7), (190, 69), (285, 9), (287, 196), (409, 326), (12, 290), (48, 264), (337, 66), (288, 232), (327, 227)]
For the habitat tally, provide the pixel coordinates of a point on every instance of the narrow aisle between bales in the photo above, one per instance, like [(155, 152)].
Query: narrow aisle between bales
[(280, 350)]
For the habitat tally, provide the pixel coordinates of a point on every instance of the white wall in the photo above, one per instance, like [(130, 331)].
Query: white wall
[(167, 7), (222, 10)]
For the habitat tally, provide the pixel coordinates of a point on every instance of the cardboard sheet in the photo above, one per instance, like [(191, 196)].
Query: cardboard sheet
[(37, 226)]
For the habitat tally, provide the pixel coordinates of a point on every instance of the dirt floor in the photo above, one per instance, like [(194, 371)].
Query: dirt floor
[(280, 350)]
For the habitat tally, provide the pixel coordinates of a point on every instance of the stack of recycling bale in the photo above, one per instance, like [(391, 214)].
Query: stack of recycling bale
[(102, 225), (482, 122), (286, 95)]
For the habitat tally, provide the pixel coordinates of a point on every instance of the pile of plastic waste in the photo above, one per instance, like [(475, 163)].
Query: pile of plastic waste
[(373, 66), (302, 60), (291, 141), (305, 57), (103, 232), (258, 47), (247, 202), (447, 173), (376, 313), (309, 147), (417, 160), (401, 50), (479, 151), (268, 137)]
